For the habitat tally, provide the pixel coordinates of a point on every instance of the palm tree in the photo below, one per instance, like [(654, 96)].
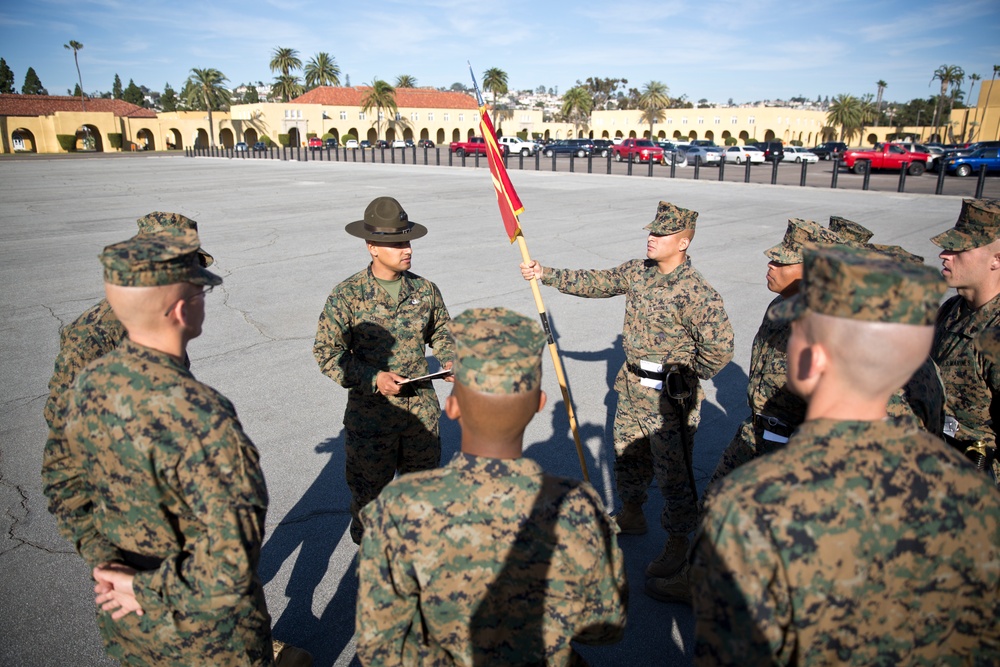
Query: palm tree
[(847, 112), (381, 96), (406, 81), (286, 87), (577, 103), (285, 60), (972, 78), (495, 81), (75, 46), (322, 70), (868, 114), (882, 85), (206, 86), (654, 99), (947, 74), (956, 92)]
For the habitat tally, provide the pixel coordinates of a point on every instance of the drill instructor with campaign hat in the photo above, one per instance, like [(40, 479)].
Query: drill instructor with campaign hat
[(371, 340)]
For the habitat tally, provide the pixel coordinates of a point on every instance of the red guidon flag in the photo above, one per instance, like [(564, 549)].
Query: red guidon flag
[(510, 205)]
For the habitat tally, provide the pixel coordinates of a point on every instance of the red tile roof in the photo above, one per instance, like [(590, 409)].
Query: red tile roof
[(408, 98), (46, 105)]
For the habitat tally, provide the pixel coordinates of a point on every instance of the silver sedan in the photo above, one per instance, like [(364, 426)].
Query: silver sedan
[(799, 154), (741, 154)]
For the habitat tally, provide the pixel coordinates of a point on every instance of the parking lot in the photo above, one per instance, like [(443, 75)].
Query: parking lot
[(276, 229), (817, 175)]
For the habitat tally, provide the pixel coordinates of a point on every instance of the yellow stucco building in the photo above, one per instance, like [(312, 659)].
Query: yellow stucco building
[(34, 123)]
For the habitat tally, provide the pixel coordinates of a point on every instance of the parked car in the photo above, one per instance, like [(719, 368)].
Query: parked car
[(425, 143), (774, 151), (241, 147), (259, 146), (971, 148), (830, 150), (332, 143), (352, 144), (398, 143), (702, 154), (967, 165), (799, 154), (518, 146), (409, 143), (315, 143), (741, 154), (638, 150), (381, 143), (365, 144), (577, 147), (603, 147)]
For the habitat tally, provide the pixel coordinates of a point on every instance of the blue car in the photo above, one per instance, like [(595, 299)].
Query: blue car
[(966, 165)]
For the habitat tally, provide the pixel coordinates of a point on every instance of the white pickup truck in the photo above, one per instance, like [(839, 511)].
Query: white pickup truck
[(516, 145)]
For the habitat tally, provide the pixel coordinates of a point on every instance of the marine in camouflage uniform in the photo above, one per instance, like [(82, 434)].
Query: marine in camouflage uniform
[(774, 410), (97, 331), (366, 331), (488, 560), (154, 474), (970, 252), (673, 318), (862, 541)]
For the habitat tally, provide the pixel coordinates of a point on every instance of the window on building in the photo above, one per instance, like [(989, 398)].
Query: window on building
[(701, 121), (361, 115), (684, 120), (447, 117), (298, 113), (430, 115), (750, 120), (399, 116), (461, 118), (717, 120), (414, 115), (733, 120), (381, 115), (343, 115), (670, 121)]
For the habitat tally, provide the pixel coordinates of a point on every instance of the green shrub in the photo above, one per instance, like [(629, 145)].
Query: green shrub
[(283, 139), (328, 136), (347, 137), (310, 135), (67, 142), (731, 141), (115, 139), (266, 139), (523, 135), (795, 142)]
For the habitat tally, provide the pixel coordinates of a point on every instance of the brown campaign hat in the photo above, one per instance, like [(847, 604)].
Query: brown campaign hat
[(385, 221)]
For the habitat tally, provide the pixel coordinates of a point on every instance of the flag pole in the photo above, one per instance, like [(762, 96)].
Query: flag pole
[(510, 207)]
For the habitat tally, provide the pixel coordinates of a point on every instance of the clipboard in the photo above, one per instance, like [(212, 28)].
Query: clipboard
[(430, 376)]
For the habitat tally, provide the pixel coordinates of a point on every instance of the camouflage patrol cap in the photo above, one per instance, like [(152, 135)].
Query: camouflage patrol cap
[(497, 351), (849, 231), (671, 219), (166, 257), (988, 343), (896, 252), (860, 284), (978, 225), (157, 220), (799, 234)]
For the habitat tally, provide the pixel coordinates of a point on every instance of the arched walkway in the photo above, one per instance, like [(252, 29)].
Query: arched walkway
[(226, 138), (294, 138), (88, 138), (769, 135), (251, 136), (145, 140), (173, 139), (201, 138), (22, 140)]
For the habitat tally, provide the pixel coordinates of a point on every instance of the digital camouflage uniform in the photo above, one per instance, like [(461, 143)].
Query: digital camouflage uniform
[(363, 331), (773, 407), (97, 331), (971, 380), (673, 319), (153, 470), (488, 561), (859, 542)]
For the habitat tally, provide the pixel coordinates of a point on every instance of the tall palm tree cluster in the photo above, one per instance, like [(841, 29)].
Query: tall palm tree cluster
[(320, 70)]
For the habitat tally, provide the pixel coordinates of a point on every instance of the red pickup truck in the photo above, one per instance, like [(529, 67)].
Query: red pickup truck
[(473, 146), (886, 156), (638, 150)]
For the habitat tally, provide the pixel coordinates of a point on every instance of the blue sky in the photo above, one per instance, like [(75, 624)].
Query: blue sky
[(746, 50)]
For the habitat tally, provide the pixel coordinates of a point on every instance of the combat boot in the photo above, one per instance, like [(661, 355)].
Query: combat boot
[(631, 520), (676, 589), (671, 559)]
